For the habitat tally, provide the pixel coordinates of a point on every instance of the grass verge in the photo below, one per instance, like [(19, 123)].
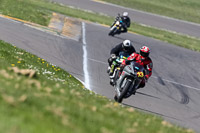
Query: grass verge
[(37, 97), (181, 9), (39, 11)]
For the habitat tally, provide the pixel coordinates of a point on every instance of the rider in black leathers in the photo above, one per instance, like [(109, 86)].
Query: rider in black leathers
[(126, 22), (125, 47)]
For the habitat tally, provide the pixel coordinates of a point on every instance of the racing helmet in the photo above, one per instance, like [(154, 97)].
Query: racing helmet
[(144, 51), (126, 44), (125, 14)]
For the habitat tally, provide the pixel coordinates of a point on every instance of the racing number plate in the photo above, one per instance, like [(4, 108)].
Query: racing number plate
[(140, 74)]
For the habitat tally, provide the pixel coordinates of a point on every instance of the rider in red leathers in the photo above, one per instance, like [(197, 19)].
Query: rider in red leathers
[(144, 59)]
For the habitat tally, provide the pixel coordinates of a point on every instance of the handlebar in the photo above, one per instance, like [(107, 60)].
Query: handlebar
[(120, 60), (118, 16)]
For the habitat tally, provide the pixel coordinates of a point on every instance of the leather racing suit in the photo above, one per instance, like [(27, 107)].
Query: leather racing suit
[(146, 62)]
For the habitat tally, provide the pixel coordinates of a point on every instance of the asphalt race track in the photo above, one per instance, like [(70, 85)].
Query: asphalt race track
[(167, 23), (172, 92)]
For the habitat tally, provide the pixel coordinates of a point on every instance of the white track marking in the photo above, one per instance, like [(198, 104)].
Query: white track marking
[(85, 60), (97, 61), (169, 81)]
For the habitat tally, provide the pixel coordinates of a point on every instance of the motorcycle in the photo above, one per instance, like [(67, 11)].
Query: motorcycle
[(116, 27), (127, 81)]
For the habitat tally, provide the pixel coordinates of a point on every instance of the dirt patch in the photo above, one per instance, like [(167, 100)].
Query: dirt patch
[(66, 26), (72, 28)]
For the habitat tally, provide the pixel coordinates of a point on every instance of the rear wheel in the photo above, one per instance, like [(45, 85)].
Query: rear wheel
[(124, 91)]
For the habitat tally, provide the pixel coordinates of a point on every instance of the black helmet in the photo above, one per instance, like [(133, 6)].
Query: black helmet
[(144, 51), (126, 44)]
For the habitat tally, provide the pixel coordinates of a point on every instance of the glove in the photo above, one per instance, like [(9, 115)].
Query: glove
[(110, 60), (113, 56), (124, 63)]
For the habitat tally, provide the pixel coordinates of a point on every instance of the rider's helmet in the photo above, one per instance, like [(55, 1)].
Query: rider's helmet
[(144, 51), (126, 44), (125, 14)]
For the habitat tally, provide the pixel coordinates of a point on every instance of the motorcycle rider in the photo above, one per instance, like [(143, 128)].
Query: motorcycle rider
[(126, 47), (126, 22), (143, 59)]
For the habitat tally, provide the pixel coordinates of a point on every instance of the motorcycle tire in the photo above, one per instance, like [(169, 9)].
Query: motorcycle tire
[(112, 32), (116, 76), (115, 98), (124, 91)]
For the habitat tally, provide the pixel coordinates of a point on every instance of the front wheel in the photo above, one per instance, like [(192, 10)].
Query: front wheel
[(115, 97), (116, 76), (112, 32), (124, 91)]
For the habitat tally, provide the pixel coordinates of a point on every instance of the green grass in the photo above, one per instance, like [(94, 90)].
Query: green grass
[(39, 11), (23, 10), (182, 9), (53, 101), (169, 37)]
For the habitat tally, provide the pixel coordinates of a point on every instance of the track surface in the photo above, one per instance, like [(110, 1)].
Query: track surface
[(172, 92), (179, 26)]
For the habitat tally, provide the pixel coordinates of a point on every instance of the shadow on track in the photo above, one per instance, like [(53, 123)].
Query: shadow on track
[(147, 95), (120, 38), (152, 112)]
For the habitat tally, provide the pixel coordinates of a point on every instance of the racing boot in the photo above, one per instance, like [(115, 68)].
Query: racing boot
[(142, 85), (108, 71), (134, 92), (112, 82)]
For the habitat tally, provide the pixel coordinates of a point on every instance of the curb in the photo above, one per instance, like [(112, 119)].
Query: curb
[(30, 23), (37, 26)]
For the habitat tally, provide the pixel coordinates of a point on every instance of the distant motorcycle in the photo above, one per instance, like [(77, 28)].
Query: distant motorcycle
[(127, 81), (116, 26)]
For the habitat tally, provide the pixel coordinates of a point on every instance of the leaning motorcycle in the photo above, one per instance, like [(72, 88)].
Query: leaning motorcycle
[(115, 28), (128, 80)]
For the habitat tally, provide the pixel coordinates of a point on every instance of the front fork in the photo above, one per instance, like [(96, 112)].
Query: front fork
[(119, 83), (122, 81)]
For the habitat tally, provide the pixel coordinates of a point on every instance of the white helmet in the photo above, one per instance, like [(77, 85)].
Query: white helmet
[(126, 44), (125, 14)]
